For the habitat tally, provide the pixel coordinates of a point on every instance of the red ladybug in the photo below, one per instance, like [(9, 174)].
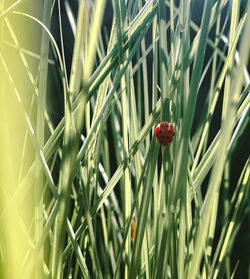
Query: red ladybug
[(164, 132)]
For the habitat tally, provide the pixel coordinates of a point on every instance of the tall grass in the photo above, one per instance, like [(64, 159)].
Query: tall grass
[(73, 179)]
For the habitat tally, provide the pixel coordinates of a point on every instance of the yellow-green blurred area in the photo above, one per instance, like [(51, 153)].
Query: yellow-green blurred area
[(19, 38)]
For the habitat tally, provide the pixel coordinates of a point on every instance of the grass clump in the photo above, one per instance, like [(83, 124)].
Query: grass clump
[(80, 101)]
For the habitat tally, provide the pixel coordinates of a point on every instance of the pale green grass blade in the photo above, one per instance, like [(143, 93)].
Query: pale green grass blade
[(185, 218), (98, 10), (40, 130), (145, 81), (163, 59), (232, 34)]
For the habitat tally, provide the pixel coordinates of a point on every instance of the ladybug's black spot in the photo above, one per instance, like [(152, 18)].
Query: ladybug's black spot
[(167, 137), (160, 132), (170, 131)]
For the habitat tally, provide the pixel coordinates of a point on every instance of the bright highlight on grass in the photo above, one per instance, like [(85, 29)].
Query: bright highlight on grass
[(86, 190)]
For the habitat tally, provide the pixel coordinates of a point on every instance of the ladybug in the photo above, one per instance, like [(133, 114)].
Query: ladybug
[(164, 132)]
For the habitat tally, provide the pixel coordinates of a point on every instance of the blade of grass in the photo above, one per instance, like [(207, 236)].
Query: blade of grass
[(163, 58), (40, 129)]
